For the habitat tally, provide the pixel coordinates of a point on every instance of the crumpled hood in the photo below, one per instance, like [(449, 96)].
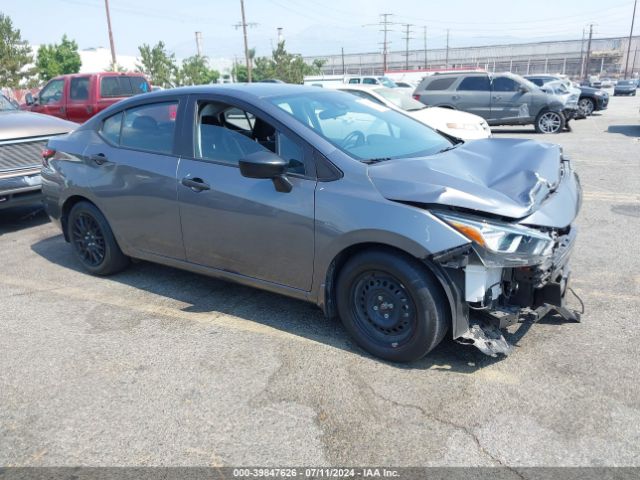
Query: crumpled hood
[(506, 177)]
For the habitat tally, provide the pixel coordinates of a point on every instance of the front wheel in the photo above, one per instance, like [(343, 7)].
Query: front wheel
[(391, 305), (586, 106), (549, 122), (93, 242)]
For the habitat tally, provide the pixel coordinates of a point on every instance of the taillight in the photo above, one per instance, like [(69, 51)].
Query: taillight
[(47, 154), (416, 97)]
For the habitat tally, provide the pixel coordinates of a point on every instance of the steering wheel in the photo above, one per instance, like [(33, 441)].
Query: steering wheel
[(354, 139)]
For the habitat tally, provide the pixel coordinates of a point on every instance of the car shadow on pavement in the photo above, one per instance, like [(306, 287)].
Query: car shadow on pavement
[(18, 218), (628, 130), (202, 294)]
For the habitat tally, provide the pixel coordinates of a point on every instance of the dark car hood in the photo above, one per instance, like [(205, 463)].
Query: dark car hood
[(590, 90), (506, 177), (16, 124)]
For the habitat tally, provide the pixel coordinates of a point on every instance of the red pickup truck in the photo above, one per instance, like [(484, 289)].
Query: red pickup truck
[(80, 96)]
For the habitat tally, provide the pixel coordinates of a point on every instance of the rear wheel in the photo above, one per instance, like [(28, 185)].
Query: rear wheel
[(586, 106), (549, 122), (391, 305), (93, 242)]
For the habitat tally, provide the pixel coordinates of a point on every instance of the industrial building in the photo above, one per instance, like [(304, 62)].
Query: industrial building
[(607, 56)]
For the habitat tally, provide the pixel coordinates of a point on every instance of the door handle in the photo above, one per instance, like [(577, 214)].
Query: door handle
[(455, 97), (99, 158), (195, 184), (497, 97)]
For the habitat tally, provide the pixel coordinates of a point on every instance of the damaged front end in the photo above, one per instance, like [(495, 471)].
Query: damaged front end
[(511, 273)]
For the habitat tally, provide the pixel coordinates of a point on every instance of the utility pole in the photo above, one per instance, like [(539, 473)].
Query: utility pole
[(586, 69), (385, 45), (582, 54), (425, 48), (113, 48), (199, 43), (633, 65), (244, 26), (342, 49), (407, 38), (447, 57), (384, 23), (633, 18)]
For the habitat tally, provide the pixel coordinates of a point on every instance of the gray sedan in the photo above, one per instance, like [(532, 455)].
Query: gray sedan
[(403, 233)]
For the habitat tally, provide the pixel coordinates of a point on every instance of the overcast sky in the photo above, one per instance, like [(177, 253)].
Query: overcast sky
[(312, 27)]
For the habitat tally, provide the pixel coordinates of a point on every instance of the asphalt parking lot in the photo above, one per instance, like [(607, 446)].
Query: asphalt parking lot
[(155, 366)]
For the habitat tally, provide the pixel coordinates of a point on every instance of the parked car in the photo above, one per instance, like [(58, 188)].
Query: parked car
[(594, 82), (23, 135), (569, 99), (318, 195), (606, 83), (463, 125), (80, 96), (625, 87), (504, 99), (371, 80), (592, 100), (564, 89)]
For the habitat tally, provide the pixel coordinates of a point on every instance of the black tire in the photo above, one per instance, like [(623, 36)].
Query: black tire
[(93, 242), (549, 121), (587, 106), (377, 281)]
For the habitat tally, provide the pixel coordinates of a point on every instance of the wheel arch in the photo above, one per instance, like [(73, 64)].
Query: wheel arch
[(67, 205), (327, 300)]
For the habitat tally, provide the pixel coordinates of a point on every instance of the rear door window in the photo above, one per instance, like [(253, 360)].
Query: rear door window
[(79, 88), (441, 83), (354, 80), (475, 84), (150, 127), (370, 81), (123, 86)]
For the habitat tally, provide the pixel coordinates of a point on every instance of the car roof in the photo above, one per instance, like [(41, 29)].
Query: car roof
[(100, 74), (256, 90)]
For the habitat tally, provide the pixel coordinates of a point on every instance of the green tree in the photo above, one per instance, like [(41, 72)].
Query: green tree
[(58, 59), (195, 71), (15, 55), (157, 64)]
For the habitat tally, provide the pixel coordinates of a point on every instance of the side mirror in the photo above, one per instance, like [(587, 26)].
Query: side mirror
[(267, 165), (28, 99)]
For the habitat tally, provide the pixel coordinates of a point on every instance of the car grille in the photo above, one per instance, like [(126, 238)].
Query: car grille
[(14, 156)]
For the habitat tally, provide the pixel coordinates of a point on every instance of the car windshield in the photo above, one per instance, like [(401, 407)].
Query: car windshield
[(626, 82), (5, 104), (387, 82), (400, 98), (361, 128)]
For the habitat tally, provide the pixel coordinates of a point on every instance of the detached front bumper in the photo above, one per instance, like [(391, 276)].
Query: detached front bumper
[(20, 187)]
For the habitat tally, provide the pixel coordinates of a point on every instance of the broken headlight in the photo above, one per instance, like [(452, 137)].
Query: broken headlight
[(501, 244)]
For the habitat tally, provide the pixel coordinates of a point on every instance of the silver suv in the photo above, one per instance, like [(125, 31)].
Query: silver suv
[(504, 99)]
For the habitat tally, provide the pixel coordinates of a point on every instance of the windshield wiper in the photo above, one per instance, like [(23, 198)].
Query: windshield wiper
[(450, 147), (371, 161)]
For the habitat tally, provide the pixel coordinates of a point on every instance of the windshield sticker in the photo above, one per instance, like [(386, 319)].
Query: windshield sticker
[(523, 111), (370, 104)]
